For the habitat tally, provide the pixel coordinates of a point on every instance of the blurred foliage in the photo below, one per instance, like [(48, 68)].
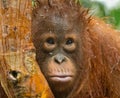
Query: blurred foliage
[(99, 9)]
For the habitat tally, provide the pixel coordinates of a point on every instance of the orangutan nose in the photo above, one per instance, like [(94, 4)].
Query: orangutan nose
[(59, 58)]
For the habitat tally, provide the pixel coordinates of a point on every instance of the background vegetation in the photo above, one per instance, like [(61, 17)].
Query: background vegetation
[(110, 15)]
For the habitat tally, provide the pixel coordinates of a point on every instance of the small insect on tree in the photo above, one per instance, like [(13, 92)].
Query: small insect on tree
[(20, 76)]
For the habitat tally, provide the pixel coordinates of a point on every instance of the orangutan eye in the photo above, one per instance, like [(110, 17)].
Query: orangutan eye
[(50, 41), (69, 41)]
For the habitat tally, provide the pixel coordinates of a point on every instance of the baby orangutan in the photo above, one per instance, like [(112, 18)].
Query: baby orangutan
[(79, 55)]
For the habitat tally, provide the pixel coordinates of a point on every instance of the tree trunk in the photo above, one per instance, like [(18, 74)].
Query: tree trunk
[(20, 76)]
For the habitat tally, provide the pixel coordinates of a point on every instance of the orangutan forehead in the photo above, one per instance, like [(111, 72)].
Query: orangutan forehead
[(58, 22)]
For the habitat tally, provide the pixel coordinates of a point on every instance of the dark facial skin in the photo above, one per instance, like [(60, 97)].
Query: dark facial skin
[(56, 43)]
